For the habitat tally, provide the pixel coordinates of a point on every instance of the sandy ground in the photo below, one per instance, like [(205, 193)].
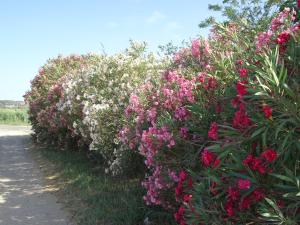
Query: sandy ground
[(23, 199)]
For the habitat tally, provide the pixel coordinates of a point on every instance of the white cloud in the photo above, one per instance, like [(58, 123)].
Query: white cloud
[(155, 17)]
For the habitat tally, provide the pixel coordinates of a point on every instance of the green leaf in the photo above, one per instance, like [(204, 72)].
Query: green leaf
[(282, 177)]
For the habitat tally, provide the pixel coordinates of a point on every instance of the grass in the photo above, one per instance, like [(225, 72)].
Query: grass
[(14, 116), (92, 197)]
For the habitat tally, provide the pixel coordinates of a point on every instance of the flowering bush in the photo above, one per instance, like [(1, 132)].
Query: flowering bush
[(46, 90), (220, 131), (79, 100), (95, 99)]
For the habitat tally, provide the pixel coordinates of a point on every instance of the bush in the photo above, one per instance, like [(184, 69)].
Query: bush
[(79, 101), (220, 132)]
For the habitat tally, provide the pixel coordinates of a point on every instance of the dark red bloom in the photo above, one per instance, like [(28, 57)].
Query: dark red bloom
[(233, 193), (182, 175), (243, 72), (241, 120), (179, 214), (235, 102), (298, 3), (245, 203), (267, 111), (283, 38), (209, 159), (178, 191), (255, 163), (258, 194), (244, 184), (270, 155), (213, 131), (248, 161), (187, 197), (229, 208), (241, 88), (218, 108)]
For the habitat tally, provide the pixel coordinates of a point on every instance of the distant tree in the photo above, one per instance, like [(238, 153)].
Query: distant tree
[(256, 14)]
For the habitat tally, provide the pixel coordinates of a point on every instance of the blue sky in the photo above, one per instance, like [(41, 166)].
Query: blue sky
[(33, 31)]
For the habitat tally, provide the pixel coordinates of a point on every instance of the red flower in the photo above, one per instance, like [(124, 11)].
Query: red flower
[(213, 131), (245, 203), (209, 158), (241, 88), (241, 120), (267, 111), (235, 102), (298, 3), (283, 38), (233, 193), (182, 175), (244, 184), (179, 191), (229, 208), (179, 214), (258, 194), (270, 155), (216, 163), (255, 163), (248, 161), (243, 73), (187, 198)]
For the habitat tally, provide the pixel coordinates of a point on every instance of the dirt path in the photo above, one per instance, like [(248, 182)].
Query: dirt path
[(23, 199)]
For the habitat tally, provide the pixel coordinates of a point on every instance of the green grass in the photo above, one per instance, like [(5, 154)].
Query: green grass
[(15, 116), (93, 197)]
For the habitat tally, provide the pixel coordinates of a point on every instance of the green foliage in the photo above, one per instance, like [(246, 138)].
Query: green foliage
[(14, 116), (255, 13)]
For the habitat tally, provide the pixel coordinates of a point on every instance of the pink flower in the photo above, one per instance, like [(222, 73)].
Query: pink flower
[(183, 131), (263, 40), (196, 48), (270, 155), (243, 73), (244, 184), (267, 111), (201, 77), (213, 131), (182, 113)]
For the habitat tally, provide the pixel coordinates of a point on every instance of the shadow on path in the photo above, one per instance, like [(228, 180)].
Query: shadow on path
[(23, 199)]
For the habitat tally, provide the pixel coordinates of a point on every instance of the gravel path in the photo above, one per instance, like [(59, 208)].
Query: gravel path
[(23, 199)]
